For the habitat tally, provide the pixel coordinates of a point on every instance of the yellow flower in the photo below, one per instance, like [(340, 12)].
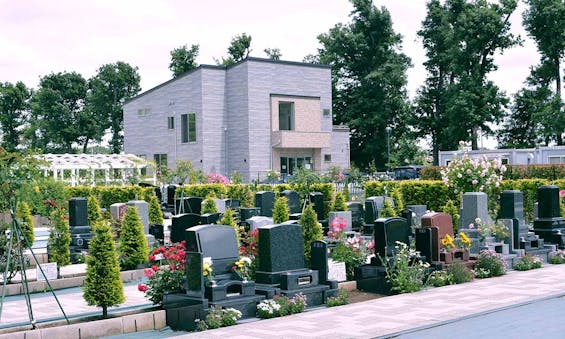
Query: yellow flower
[(447, 241), (465, 239), (36, 189), (207, 270)]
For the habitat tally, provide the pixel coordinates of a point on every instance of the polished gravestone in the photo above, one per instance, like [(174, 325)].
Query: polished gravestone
[(436, 226), (180, 223), (292, 200), (357, 214), (373, 208), (142, 211), (419, 211), (387, 232), (218, 244), (265, 200), (317, 201), (78, 224), (475, 205), (549, 224), (188, 205), (210, 218), (319, 262), (258, 221), (281, 268)]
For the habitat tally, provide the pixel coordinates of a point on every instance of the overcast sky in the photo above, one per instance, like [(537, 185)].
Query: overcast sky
[(38, 37)]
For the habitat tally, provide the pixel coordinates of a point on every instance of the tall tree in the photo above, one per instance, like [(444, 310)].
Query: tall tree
[(273, 53), (13, 113), (109, 89), (461, 38), (238, 50), (56, 111), (183, 59), (545, 22), (369, 79)]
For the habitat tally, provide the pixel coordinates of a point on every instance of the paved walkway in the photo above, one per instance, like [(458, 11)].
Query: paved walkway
[(379, 317), (390, 315)]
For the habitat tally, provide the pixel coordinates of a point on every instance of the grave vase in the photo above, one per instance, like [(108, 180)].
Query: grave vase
[(454, 254)]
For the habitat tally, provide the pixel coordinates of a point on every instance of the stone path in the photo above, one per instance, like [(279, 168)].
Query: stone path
[(390, 315)]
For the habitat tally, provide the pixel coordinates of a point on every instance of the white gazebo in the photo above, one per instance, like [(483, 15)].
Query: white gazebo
[(92, 169)]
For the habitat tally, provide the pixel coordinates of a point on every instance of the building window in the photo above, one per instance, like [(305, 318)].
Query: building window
[(171, 122), (504, 161), (555, 160), (142, 112), (286, 116), (327, 157), (188, 127), (289, 165), (160, 160)]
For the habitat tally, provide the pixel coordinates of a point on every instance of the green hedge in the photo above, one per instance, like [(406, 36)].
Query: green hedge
[(108, 195), (514, 172)]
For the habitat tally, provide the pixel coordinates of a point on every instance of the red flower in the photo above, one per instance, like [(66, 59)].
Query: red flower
[(142, 287), (155, 268), (152, 257), (149, 273)]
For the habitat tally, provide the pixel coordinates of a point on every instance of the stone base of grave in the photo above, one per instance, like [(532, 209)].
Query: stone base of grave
[(368, 229), (246, 305), (372, 279), (224, 289), (315, 295), (554, 236), (333, 290), (453, 255), (181, 311)]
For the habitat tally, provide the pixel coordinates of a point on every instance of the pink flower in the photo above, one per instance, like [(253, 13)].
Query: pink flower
[(149, 273), (471, 225), (152, 257), (155, 268), (562, 193), (142, 287)]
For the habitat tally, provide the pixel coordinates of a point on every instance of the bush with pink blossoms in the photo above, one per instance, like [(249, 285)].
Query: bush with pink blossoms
[(352, 250), (217, 178), (467, 174), (166, 273)]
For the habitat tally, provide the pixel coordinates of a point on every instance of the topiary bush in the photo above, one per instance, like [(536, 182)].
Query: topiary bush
[(155, 212), (311, 229), (396, 195), (23, 212), (339, 203), (93, 210), (209, 205), (387, 211), (280, 210), (59, 241), (133, 246), (103, 283)]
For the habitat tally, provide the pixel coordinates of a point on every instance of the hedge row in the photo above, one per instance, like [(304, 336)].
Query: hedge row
[(108, 195), (435, 194), (514, 172)]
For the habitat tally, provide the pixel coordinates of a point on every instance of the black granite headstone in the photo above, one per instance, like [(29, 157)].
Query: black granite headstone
[(232, 203), (265, 200), (157, 231), (194, 277), (387, 232), (357, 213), (319, 260), (548, 199), (511, 205), (218, 242), (317, 201), (78, 212), (179, 224), (427, 243), (249, 212), (293, 201), (281, 248), (210, 218), (171, 190)]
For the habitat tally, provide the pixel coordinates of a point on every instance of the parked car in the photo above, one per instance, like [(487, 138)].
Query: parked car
[(407, 172)]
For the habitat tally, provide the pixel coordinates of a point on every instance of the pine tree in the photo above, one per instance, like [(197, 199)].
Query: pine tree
[(103, 284), (209, 205), (387, 211), (59, 240), (451, 209), (311, 229), (133, 245), (339, 203), (155, 212), (280, 210), (229, 220), (23, 212), (398, 199), (93, 210)]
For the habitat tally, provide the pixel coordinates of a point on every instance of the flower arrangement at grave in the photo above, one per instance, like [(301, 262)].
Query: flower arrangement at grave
[(281, 305), (489, 264), (208, 272), (447, 243), (463, 241), (353, 251), (497, 230), (166, 273), (467, 174), (242, 268), (557, 257), (217, 178), (218, 317), (528, 262), (405, 271)]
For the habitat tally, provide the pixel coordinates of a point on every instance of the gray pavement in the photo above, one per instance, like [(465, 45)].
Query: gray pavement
[(444, 309)]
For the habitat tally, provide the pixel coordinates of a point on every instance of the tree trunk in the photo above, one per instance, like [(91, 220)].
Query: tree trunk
[(104, 312), (85, 146)]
